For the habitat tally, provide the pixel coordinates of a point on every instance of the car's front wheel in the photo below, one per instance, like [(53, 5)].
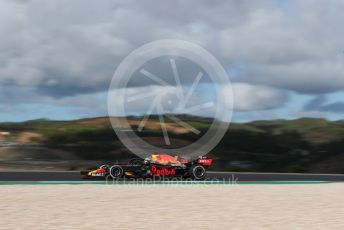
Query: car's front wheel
[(197, 172), (116, 172)]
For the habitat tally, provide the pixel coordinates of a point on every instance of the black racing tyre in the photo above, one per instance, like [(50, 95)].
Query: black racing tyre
[(197, 172), (116, 172)]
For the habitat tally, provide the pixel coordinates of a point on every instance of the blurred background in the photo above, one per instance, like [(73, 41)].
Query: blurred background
[(285, 60)]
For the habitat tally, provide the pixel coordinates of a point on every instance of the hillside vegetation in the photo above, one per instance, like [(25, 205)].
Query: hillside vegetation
[(302, 145)]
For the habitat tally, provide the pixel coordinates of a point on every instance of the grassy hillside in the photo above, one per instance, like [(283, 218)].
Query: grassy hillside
[(302, 145)]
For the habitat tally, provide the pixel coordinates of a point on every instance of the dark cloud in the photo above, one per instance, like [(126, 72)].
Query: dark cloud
[(84, 40), (315, 103), (320, 104), (336, 107), (60, 49)]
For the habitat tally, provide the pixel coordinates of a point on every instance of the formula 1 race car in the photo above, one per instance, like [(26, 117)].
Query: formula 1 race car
[(158, 165)]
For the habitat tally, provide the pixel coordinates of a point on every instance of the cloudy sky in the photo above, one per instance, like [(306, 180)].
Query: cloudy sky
[(285, 58)]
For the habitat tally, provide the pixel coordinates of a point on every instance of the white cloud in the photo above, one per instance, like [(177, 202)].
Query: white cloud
[(249, 97)]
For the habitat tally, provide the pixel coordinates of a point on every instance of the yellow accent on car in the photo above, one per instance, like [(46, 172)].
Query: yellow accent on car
[(90, 173)]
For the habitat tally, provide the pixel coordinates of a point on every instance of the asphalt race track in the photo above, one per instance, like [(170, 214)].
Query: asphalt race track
[(228, 176)]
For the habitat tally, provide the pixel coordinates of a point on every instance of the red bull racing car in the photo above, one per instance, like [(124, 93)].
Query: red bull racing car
[(158, 165)]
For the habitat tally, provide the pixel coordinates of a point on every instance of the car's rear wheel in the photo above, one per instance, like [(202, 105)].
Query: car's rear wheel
[(116, 172), (198, 172)]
